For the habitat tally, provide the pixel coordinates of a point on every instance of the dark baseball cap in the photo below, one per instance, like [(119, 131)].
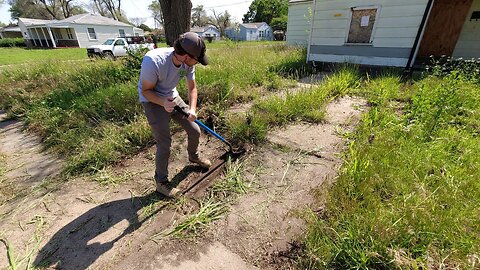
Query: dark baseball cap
[(193, 44)]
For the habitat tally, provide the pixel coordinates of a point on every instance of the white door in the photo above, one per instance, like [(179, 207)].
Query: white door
[(120, 48)]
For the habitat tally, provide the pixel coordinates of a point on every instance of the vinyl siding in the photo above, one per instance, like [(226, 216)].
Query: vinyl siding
[(103, 33), (468, 45), (396, 26), (298, 25)]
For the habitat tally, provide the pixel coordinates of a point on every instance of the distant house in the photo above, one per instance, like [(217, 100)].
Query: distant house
[(383, 32), (10, 32), (207, 31), (250, 32), (77, 31)]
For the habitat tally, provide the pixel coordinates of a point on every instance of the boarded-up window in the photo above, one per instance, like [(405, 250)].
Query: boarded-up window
[(361, 26)]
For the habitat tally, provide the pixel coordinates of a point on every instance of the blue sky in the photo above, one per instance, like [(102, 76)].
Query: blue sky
[(139, 8)]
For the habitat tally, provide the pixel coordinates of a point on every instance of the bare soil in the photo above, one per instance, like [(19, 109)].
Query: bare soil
[(80, 223)]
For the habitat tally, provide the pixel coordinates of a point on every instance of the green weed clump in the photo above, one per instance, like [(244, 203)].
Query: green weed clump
[(305, 105), (408, 193)]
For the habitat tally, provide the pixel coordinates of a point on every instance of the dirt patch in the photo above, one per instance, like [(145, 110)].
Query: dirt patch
[(25, 164), (83, 224)]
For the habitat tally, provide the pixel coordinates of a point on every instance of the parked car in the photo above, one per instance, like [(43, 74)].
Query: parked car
[(117, 47)]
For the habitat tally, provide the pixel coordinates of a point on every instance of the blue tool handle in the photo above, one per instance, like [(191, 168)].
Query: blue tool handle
[(202, 125)]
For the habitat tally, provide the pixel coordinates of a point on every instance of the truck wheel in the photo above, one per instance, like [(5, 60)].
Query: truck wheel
[(109, 56)]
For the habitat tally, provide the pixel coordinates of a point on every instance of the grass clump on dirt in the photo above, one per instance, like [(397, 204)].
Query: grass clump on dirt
[(215, 205), (304, 105), (3, 168), (408, 195)]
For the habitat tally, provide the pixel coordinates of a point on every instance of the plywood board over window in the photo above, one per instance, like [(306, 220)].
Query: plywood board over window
[(444, 27), (361, 26)]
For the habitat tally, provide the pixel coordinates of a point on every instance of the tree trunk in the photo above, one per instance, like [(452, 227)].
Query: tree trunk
[(176, 15)]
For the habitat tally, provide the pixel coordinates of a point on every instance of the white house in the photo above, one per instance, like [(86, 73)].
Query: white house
[(207, 31), (10, 32), (77, 31), (250, 32), (384, 32)]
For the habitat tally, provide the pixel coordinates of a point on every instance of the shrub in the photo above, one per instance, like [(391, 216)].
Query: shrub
[(12, 42)]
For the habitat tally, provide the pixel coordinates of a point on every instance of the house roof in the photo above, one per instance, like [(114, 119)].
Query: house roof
[(88, 18), (29, 22), (253, 25), (198, 29), (299, 1), (85, 18), (202, 29), (10, 29)]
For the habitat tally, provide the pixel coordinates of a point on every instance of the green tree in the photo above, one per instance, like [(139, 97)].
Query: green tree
[(145, 27), (221, 21), (199, 16), (156, 11), (111, 9), (266, 10), (44, 9), (279, 23)]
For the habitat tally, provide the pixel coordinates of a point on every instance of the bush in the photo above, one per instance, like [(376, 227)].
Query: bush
[(12, 42)]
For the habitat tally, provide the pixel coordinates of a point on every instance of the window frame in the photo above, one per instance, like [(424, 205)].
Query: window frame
[(120, 33), (89, 34), (69, 34), (119, 41), (349, 23)]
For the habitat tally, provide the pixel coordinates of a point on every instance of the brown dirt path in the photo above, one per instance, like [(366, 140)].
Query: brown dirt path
[(82, 224)]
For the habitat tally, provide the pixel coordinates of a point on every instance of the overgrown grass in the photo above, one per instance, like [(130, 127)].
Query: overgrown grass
[(88, 111), (12, 56), (239, 74), (408, 194), (306, 105)]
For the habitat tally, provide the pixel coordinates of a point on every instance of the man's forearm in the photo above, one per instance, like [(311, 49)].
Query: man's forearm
[(152, 97), (192, 99)]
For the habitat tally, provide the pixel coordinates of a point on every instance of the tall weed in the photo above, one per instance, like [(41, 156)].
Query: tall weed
[(407, 195)]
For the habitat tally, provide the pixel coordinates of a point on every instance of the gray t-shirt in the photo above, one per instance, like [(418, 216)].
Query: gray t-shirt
[(158, 68)]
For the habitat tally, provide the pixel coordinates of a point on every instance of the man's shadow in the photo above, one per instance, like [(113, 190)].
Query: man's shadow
[(72, 248)]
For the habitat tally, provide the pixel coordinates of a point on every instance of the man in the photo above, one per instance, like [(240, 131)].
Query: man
[(161, 71)]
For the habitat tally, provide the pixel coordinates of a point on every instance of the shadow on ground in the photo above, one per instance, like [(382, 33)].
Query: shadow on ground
[(81, 242)]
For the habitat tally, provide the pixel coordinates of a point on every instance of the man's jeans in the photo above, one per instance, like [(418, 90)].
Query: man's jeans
[(159, 121)]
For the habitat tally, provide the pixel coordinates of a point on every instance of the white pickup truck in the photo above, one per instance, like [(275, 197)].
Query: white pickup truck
[(117, 47)]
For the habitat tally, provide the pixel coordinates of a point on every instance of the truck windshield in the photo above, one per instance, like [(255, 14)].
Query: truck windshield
[(108, 42)]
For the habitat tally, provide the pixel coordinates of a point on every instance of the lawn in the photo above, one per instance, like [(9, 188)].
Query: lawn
[(12, 56)]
